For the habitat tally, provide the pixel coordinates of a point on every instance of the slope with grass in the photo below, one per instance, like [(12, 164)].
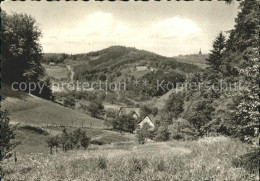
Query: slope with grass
[(31, 141), (195, 59), (206, 159), (31, 110), (57, 72)]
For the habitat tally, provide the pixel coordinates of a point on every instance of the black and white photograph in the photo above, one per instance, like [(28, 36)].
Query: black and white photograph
[(129, 90)]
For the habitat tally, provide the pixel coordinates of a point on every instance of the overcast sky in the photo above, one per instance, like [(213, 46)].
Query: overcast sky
[(167, 28)]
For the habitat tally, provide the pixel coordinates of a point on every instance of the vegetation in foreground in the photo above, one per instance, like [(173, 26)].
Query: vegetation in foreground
[(209, 158)]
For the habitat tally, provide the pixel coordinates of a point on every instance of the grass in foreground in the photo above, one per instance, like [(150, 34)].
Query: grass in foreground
[(206, 159)]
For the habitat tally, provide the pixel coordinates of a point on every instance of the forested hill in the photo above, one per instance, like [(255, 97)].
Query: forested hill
[(116, 60)]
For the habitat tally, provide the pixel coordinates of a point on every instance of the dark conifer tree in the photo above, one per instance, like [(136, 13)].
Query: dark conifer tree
[(215, 59)]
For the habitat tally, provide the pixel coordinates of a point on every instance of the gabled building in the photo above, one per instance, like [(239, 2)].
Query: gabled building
[(150, 120), (135, 112), (142, 68)]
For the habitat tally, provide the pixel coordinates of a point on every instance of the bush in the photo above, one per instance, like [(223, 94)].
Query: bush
[(138, 165), (143, 133), (249, 162), (160, 166), (96, 109), (125, 123), (69, 101), (162, 134), (53, 141), (141, 139), (75, 139), (145, 111), (7, 136), (174, 104), (96, 142), (84, 141), (101, 163)]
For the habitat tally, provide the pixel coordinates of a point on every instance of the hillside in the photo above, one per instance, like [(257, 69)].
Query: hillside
[(29, 109), (40, 119), (57, 72), (195, 59), (117, 64), (115, 61)]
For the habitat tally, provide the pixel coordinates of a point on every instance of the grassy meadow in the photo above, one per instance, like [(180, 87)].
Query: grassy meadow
[(120, 157), (31, 110), (57, 72), (211, 158)]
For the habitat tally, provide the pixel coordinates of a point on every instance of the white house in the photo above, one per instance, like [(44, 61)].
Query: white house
[(150, 120), (52, 63), (142, 68)]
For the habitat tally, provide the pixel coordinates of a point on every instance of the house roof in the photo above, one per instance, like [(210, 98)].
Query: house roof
[(151, 117), (129, 110), (142, 68)]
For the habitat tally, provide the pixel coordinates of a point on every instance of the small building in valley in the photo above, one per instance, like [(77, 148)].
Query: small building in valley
[(142, 68), (52, 63), (150, 120), (135, 112)]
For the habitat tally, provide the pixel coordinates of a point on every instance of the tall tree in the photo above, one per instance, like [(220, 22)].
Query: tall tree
[(242, 50), (96, 109), (22, 52), (215, 59), (174, 104)]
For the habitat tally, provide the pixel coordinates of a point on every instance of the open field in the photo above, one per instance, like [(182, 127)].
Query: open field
[(31, 110), (30, 142), (205, 159), (36, 111), (105, 136), (34, 140), (57, 72)]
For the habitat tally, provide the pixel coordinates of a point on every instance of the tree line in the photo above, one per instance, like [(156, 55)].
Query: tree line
[(69, 140), (234, 57)]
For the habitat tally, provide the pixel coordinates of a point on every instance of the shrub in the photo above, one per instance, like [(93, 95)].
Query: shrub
[(125, 123), (143, 133), (160, 166), (52, 141), (7, 137), (70, 140), (249, 161), (96, 142), (101, 163), (96, 109), (69, 101), (138, 165), (84, 141), (141, 139), (174, 104), (162, 134)]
